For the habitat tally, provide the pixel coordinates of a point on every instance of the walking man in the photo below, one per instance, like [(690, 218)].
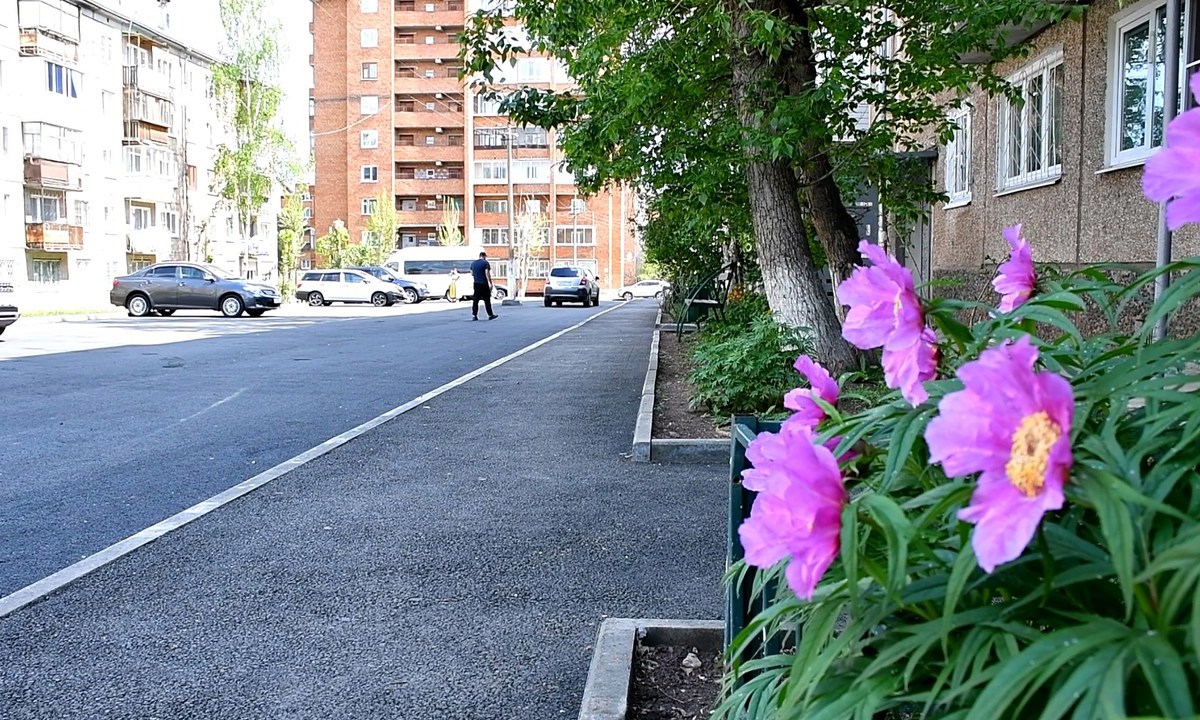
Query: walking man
[(481, 273)]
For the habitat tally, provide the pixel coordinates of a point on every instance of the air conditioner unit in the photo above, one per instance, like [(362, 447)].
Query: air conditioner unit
[(439, 28), (438, 96), (438, 130), (439, 197), (437, 61), (437, 162)]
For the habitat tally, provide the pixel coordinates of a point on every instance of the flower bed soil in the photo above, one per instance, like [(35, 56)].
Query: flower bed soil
[(672, 392), (668, 684)]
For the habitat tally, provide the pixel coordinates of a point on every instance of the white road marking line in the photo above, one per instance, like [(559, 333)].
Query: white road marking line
[(210, 407), (40, 589)]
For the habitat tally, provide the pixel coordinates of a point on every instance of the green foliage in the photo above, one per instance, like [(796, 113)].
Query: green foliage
[(334, 248), (291, 230), (1099, 617), (743, 363), (381, 233), (449, 232)]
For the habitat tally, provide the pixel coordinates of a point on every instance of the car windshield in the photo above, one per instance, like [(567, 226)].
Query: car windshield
[(564, 272)]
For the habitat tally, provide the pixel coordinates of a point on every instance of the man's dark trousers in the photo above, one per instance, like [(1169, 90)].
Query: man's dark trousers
[(482, 290)]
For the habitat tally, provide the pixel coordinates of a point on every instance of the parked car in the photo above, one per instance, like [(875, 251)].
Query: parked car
[(644, 289), (9, 312), (572, 284), (411, 292), (346, 285), (166, 287)]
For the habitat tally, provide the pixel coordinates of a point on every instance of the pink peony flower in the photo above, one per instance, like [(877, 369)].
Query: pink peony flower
[(1015, 280), (1013, 427), (886, 312), (800, 400), (1172, 174), (797, 513)]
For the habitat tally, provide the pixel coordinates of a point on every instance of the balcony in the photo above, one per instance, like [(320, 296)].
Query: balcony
[(450, 20), (44, 141), (419, 217), (148, 80), (55, 18), (53, 237), (51, 174), (444, 186), (428, 119), (422, 85), (141, 107), (429, 153), (148, 241), (35, 43), (423, 51), (140, 132)]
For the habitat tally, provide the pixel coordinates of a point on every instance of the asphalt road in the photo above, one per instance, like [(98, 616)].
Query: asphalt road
[(436, 567), (100, 442)]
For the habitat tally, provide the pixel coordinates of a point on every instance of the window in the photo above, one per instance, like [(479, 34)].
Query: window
[(577, 206), (491, 170), (370, 173), (368, 38), (368, 104), (494, 236), (47, 271), (958, 160), (45, 206), (368, 139), (1137, 93), (408, 204), (429, 72), (533, 206), (368, 206), (533, 70), (574, 236), (1031, 133), (368, 6), (307, 214), (170, 220), (430, 106), (532, 137), (486, 106), (431, 204), (4, 139), (192, 273), (141, 217), (62, 80), (531, 171), (80, 218), (305, 264), (370, 71), (429, 39), (490, 137), (495, 206)]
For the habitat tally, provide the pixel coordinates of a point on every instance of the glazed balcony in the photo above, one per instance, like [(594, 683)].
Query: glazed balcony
[(53, 237), (35, 43), (148, 80), (148, 241)]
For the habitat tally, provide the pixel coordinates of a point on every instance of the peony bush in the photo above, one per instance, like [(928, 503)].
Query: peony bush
[(1014, 532)]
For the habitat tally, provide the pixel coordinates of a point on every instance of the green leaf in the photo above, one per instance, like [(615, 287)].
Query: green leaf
[(1163, 669), (896, 529), (1117, 529)]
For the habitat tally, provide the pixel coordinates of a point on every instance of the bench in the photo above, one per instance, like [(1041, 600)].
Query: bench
[(705, 297)]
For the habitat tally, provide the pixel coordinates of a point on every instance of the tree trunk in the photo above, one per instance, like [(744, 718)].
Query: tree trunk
[(794, 289)]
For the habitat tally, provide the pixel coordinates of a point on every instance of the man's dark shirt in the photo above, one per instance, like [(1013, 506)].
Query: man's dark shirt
[(479, 270)]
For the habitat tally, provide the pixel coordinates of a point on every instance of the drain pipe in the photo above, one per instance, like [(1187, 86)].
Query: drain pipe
[(1170, 103)]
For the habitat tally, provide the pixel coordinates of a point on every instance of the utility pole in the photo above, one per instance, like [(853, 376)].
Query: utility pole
[(510, 297)]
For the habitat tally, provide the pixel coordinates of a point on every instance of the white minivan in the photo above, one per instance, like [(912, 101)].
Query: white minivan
[(432, 265)]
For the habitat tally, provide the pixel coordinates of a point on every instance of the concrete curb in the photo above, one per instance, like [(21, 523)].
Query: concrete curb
[(645, 418), (606, 694), (672, 450), (81, 317)]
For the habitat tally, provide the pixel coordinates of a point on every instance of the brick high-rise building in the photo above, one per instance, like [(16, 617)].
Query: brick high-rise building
[(390, 116)]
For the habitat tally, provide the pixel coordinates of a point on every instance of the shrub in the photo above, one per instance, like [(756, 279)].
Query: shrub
[(743, 363), (1024, 543)]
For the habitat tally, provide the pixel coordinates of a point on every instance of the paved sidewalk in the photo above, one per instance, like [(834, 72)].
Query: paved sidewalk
[(428, 570)]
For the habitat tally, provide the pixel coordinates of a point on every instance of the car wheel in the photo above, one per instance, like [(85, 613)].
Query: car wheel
[(166, 312), (546, 302), (138, 305), (410, 296), (658, 295), (379, 299), (232, 306), (498, 294), (596, 300), (627, 296), (255, 313), (315, 299)]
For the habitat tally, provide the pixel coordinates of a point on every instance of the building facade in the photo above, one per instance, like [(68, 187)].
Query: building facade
[(110, 134), (391, 119), (1067, 164)]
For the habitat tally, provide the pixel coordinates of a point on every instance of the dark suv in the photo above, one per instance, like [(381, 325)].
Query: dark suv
[(412, 292), (573, 284)]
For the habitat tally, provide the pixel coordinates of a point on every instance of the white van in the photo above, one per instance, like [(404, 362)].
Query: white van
[(432, 265)]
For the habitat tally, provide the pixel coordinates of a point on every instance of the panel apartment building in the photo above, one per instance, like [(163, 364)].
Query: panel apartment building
[(390, 114), (108, 137)]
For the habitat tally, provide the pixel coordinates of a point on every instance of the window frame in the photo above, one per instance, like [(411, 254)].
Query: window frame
[(370, 71), (362, 139), (1042, 68), (364, 34), (958, 149), (369, 173)]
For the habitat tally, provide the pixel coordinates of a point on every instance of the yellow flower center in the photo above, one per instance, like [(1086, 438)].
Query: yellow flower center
[(1031, 444)]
